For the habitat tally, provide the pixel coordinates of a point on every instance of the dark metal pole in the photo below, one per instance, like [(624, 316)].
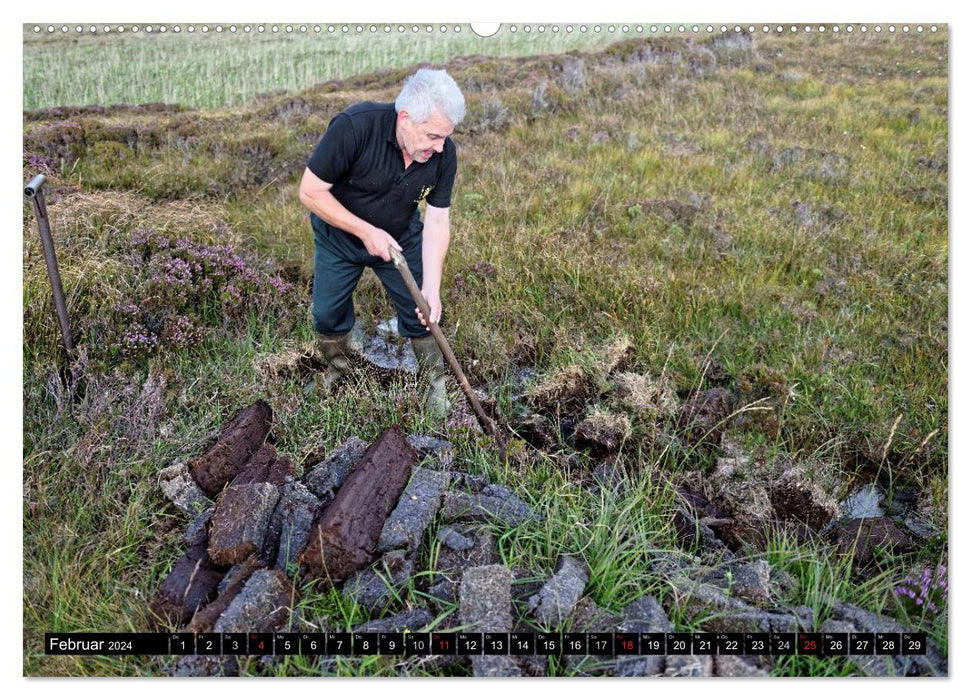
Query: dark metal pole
[(34, 190)]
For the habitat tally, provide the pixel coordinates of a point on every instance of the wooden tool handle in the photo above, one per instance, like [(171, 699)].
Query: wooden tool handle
[(402, 266)]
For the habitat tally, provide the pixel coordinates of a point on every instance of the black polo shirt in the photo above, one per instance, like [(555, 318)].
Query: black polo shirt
[(359, 155)]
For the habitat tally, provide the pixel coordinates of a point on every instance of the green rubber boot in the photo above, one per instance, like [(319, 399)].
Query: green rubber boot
[(432, 364), (335, 351)]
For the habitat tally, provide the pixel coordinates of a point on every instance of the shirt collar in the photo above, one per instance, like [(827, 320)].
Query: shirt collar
[(392, 138)]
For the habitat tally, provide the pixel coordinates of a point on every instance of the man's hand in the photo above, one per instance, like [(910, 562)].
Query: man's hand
[(434, 308), (377, 242)]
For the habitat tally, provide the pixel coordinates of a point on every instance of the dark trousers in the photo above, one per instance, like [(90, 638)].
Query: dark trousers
[(339, 262)]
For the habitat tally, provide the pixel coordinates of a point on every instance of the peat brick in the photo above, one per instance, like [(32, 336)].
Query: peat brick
[(180, 488), (378, 587), (263, 605), (749, 581), (415, 511), (463, 507), (482, 553), (413, 620), (266, 466), (643, 615), (198, 530), (282, 469), (345, 536), (244, 435), (452, 563), (590, 617), (257, 466), (485, 605), (698, 597), (292, 518), (240, 522), (190, 585), (454, 540), (473, 483), (498, 491), (228, 589), (485, 599), (558, 597), (326, 478), (434, 453)]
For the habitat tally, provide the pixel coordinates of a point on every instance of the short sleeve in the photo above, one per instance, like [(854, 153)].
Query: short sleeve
[(337, 150), (441, 196)]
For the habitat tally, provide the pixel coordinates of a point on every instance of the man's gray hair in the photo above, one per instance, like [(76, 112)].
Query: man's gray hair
[(430, 90)]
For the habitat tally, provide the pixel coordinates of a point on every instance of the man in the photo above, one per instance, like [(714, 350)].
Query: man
[(362, 185)]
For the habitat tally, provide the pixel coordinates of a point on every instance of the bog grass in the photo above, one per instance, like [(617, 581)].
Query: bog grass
[(775, 208)]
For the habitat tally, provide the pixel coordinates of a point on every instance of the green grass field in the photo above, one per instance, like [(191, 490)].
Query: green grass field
[(228, 68), (775, 208)]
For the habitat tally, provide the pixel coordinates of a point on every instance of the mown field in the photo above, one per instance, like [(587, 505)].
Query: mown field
[(766, 214)]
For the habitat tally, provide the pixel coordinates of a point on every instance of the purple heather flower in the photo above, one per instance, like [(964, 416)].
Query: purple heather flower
[(280, 285), (929, 593)]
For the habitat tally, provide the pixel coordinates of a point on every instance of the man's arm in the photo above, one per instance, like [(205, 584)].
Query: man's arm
[(434, 246), (316, 196)]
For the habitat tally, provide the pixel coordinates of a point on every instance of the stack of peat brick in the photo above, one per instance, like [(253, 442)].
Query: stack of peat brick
[(256, 525)]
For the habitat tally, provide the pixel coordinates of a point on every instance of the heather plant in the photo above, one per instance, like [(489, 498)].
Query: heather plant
[(134, 337), (927, 595), (61, 141), (35, 163), (181, 289)]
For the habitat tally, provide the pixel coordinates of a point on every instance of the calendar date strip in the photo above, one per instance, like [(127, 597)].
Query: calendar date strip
[(485, 643)]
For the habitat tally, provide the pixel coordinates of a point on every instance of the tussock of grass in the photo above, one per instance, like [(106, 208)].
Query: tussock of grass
[(615, 533), (567, 384), (645, 394)]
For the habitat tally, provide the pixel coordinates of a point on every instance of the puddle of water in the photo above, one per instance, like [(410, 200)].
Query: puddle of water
[(388, 350), (388, 328), (864, 503)]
